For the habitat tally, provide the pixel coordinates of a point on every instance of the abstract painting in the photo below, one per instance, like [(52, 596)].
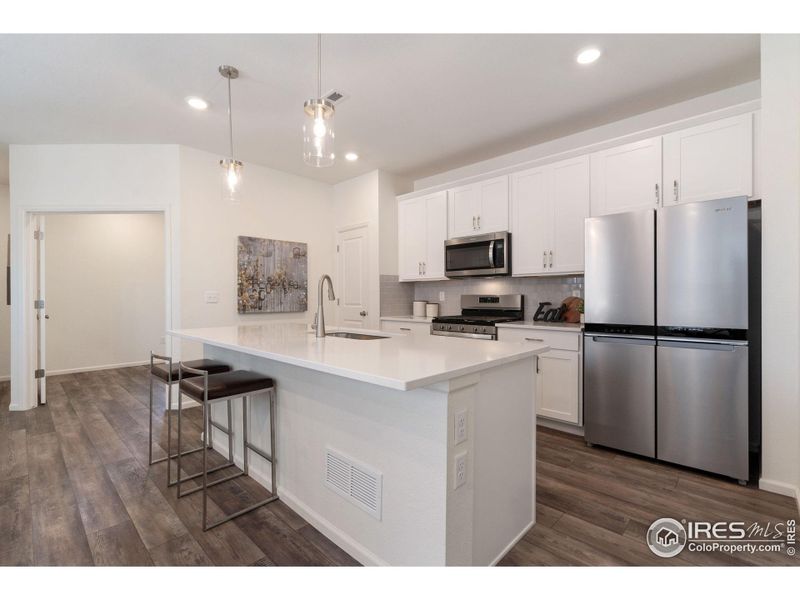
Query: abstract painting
[(273, 276)]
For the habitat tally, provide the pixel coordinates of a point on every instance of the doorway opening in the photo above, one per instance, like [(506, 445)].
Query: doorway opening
[(100, 296)]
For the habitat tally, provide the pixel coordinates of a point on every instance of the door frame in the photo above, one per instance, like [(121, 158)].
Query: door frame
[(372, 320), (23, 287)]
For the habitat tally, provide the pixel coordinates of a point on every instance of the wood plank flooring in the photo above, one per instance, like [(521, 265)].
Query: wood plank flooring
[(76, 489)]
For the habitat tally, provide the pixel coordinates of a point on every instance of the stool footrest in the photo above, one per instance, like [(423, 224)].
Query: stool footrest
[(174, 456), (211, 483), (259, 451), (239, 513), (200, 473)]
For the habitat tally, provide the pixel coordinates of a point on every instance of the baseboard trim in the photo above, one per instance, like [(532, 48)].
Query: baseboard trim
[(330, 531), (138, 363), (558, 426), (513, 543), (782, 488)]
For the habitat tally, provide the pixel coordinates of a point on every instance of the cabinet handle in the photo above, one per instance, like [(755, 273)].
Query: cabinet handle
[(405, 329), (656, 194), (473, 222), (544, 259), (551, 259), (537, 363), (675, 189), (424, 268), (419, 268), (479, 221), (534, 340)]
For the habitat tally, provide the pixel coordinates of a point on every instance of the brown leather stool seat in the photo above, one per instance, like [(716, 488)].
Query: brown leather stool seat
[(161, 370), (222, 385)]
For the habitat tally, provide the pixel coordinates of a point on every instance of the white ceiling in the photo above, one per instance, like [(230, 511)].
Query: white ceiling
[(418, 104)]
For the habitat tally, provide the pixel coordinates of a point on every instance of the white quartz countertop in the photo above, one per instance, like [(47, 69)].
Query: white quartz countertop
[(575, 327), (408, 319), (401, 362)]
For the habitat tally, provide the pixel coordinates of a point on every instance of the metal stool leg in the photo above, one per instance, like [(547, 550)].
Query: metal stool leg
[(150, 434), (272, 463)]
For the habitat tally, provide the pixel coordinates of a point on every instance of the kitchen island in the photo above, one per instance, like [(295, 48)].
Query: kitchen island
[(404, 450)]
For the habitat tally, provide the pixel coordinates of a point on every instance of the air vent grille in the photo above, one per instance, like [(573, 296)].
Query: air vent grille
[(360, 484), (336, 96)]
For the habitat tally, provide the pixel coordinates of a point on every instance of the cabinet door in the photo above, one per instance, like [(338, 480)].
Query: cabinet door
[(626, 177), (435, 236), (493, 213), (710, 161), (411, 226), (570, 198), (463, 207), (531, 225), (557, 386)]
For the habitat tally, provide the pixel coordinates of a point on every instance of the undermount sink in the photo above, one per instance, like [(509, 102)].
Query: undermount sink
[(356, 336)]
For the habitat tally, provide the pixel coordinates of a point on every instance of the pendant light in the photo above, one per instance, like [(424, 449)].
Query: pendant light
[(231, 168), (318, 135)]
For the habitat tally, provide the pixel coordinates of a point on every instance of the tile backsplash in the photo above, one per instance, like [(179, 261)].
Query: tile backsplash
[(396, 297)]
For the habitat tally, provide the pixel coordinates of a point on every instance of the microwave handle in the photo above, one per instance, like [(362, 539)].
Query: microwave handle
[(491, 254)]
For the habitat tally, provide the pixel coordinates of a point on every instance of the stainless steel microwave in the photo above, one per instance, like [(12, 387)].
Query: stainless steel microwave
[(478, 255)]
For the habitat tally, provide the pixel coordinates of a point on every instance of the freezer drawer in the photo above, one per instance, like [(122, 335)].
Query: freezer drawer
[(619, 387), (620, 269), (703, 406)]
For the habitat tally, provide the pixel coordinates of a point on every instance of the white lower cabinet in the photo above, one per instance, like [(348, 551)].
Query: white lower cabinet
[(558, 371)]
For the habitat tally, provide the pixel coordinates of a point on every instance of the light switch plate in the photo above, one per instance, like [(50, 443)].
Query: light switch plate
[(211, 297)]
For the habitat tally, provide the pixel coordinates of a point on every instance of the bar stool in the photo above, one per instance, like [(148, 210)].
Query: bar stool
[(168, 372), (208, 389)]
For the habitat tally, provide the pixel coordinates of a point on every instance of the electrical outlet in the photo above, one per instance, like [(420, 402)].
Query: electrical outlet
[(576, 292), (211, 297), (460, 432), (460, 470), (441, 296)]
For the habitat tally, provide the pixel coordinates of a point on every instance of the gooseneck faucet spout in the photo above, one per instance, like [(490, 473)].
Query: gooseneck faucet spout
[(320, 318)]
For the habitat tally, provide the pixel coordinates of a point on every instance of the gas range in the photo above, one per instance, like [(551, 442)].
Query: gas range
[(479, 316)]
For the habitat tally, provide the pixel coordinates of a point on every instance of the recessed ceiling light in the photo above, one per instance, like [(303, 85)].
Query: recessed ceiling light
[(351, 156), (196, 103), (588, 55)]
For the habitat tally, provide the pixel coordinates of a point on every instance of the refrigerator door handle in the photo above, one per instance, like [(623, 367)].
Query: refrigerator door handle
[(608, 338), (704, 345)]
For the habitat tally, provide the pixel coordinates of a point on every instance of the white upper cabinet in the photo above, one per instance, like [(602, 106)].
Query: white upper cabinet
[(570, 194), (626, 177), (548, 206), (477, 208), (531, 219), (710, 161), (422, 230)]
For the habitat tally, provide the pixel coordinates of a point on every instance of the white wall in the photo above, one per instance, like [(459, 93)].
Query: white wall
[(70, 178), (5, 310), (274, 205), (656, 122), (104, 276), (780, 145)]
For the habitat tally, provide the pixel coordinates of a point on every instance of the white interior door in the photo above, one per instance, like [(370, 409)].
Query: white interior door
[(353, 276), (40, 311)]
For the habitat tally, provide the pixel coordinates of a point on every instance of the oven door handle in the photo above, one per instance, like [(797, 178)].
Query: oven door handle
[(491, 254)]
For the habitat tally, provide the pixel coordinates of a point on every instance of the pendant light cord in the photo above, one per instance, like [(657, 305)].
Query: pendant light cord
[(230, 118), (319, 66)]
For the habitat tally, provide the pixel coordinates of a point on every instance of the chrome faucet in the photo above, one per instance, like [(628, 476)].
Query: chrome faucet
[(319, 319)]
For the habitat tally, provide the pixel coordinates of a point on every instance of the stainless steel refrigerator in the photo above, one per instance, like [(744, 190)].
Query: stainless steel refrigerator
[(666, 356)]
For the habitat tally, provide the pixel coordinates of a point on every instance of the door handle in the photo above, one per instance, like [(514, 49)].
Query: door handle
[(551, 259), (491, 254), (675, 189), (544, 259), (363, 313)]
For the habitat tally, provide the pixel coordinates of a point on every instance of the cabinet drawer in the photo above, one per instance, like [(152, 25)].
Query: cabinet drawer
[(405, 327), (557, 340)]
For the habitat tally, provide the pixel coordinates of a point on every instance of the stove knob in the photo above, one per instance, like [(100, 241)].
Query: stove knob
[(461, 328)]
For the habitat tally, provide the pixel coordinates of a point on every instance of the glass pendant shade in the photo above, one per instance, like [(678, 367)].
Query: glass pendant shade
[(318, 133), (231, 175)]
